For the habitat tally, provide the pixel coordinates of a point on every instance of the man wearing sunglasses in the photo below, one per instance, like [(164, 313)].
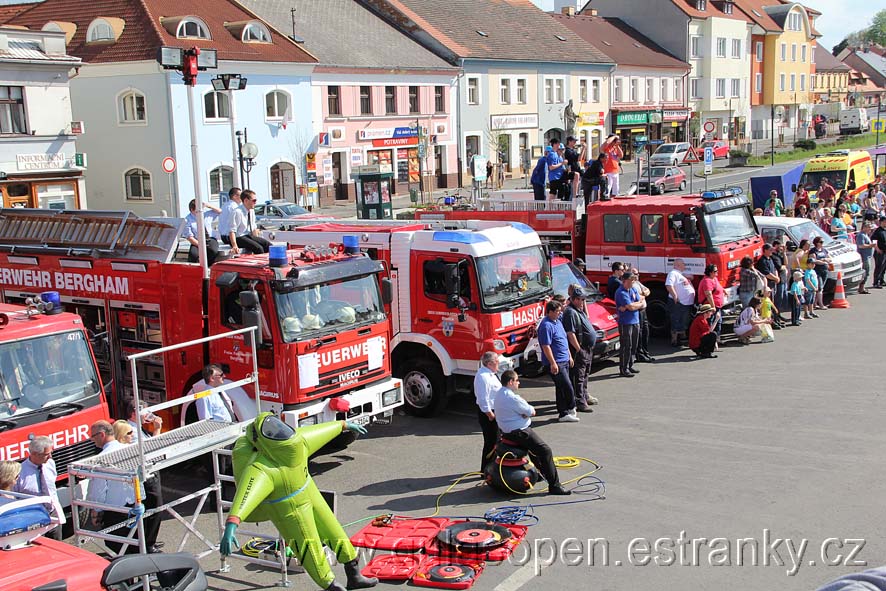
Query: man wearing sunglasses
[(273, 483)]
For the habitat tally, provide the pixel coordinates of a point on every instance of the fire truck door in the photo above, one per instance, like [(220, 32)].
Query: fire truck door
[(434, 316), (95, 320)]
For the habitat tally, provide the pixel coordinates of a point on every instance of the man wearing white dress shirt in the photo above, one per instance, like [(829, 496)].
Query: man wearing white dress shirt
[(109, 492), (226, 217), (191, 233), (486, 384), (243, 224), (39, 474)]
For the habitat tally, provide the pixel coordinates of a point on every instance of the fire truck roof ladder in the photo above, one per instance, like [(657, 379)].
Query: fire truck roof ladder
[(92, 233)]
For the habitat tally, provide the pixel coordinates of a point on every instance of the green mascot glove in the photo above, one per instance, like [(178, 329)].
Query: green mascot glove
[(355, 428), (229, 540)]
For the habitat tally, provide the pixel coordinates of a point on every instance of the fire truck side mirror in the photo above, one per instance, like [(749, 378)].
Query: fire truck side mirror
[(387, 291), (252, 315), (690, 224)]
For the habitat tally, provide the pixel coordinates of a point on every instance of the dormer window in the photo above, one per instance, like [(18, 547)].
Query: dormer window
[(104, 29), (255, 33), (192, 28), (701, 4), (727, 8)]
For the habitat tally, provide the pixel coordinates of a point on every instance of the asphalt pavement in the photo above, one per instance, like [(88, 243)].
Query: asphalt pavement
[(703, 461)]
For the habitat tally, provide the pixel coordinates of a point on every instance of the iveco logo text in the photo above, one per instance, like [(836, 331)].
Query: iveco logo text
[(348, 375), (348, 353)]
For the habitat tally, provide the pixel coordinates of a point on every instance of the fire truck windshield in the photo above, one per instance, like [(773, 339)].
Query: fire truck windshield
[(512, 276), (341, 305), (730, 225), (45, 371)]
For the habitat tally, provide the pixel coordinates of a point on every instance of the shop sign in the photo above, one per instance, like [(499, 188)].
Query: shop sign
[(524, 121), (356, 157), (42, 161), (405, 132), (635, 118), (311, 162), (372, 134), (592, 118), (395, 142), (675, 115)]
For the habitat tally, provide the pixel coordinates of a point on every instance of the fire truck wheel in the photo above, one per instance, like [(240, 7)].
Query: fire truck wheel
[(424, 389), (657, 313)]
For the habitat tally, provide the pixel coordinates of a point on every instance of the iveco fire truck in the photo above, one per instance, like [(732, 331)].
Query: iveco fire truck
[(647, 232), (457, 294), (324, 336), (49, 384)]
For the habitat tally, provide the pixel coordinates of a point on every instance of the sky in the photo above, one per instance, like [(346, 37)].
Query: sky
[(839, 17)]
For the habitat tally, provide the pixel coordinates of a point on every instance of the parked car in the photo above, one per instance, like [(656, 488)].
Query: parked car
[(271, 213), (721, 148), (664, 178), (669, 154)]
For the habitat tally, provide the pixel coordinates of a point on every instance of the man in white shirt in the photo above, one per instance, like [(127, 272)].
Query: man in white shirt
[(192, 233), (39, 474), (225, 219), (150, 425), (219, 406), (486, 384), (109, 492), (243, 224), (681, 297)]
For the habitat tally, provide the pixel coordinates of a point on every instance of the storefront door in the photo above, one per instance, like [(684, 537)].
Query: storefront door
[(438, 167), (338, 189)]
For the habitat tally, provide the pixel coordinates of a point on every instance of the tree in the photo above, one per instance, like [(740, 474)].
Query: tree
[(876, 33), (301, 143)]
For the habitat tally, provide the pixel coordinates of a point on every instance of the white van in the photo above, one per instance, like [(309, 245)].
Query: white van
[(669, 154), (790, 231), (854, 121)]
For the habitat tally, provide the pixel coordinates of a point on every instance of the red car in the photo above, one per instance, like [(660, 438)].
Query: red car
[(664, 178), (721, 149)]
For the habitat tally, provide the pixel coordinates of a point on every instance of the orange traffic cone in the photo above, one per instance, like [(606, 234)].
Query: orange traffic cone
[(839, 300)]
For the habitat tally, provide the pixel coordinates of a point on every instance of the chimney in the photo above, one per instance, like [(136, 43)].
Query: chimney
[(592, 12), (568, 10)]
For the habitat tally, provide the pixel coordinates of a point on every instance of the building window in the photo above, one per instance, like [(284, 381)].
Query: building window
[(255, 33), (521, 91), (473, 91), (721, 46), (216, 106), (758, 82), (736, 88), (812, 57), (736, 48), (549, 91), (192, 28), (276, 104), (221, 179), (701, 4), (793, 52), (678, 89), (695, 46), (132, 107), (366, 100), (727, 8), (665, 95), (635, 90), (504, 96), (595, 91), (781, 82), (560, 87), (721, 88), (695, 88), (138, 184), (12, 110), (803, 53), (100, 30), (618, 90), (582, 91), (333, 100), (758, 51), (439, 100), (802, 82), (784, 52), (793, 82), (650, 90), (472, 146), (414, 106), (390, 100)]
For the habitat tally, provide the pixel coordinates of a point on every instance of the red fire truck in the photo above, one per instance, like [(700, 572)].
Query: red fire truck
[(49, 384), (646, 232), (457, 294), (324, 333)]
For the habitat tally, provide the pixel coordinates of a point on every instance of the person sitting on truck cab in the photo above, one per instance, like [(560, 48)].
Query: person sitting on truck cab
[(191, 233)]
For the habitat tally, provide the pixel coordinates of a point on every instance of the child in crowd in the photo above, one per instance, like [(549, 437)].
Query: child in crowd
[(810, 282), (797, 298), (767, 308)]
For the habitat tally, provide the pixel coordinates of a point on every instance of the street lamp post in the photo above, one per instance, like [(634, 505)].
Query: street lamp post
[(229, 83), (189, 62), (421, 155), (772, 135), (247, 152)]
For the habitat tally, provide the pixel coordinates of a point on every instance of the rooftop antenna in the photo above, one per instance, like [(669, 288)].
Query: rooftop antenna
[(295, 37)]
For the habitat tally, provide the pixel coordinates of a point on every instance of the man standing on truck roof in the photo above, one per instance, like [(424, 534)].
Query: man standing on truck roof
[(225, 219), (556, 170), (557, 358), (629, 302), (537, 180), (574, 173), (612, 164)]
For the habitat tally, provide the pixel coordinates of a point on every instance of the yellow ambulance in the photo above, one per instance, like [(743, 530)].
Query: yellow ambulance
[(852, 170)]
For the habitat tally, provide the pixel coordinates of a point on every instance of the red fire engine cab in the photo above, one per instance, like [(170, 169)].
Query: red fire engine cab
[(457, 294), (323, 330), (49, 383), (716, 227)]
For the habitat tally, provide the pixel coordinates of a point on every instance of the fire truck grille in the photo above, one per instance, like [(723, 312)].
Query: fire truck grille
[(171, 447), (64, 456)]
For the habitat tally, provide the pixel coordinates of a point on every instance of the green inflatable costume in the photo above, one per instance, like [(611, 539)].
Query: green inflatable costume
[(273, 484)]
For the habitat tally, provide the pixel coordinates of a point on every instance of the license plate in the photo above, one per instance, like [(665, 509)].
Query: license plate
[(362, 421), (617, 346)]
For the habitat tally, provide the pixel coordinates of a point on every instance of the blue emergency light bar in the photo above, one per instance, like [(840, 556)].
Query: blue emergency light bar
[(720, 193)]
